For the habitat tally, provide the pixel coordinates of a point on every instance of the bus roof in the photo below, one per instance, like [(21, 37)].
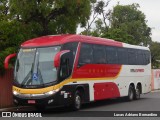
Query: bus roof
[(52, 40)]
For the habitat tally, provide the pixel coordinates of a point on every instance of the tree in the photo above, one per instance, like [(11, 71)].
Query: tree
[(98, 9), (51, 16), (155, 56), (5, 28), (128, 24), (25, 19)]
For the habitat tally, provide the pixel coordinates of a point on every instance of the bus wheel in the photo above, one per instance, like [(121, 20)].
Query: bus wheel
[(77, 101), (137, 93), (130, 96)]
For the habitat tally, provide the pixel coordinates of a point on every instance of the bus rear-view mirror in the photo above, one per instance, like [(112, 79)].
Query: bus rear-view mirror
[(58, 57), (7, 59)]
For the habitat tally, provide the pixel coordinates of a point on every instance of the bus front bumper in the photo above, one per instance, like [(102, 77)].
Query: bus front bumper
[(46, 100)]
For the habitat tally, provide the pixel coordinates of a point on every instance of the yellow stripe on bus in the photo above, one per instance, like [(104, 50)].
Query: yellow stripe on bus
[(69, 80)]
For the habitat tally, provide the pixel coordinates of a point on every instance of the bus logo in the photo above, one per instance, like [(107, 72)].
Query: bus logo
[(35, 76), (136, 70)]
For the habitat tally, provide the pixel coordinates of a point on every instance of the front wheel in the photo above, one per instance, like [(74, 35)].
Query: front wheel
[(77, 101)]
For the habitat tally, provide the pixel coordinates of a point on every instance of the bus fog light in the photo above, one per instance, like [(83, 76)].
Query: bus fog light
[(52, 92), (50, 101), (15, 101)]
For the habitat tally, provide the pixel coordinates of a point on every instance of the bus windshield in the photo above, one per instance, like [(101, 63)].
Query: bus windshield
[(35, 66)]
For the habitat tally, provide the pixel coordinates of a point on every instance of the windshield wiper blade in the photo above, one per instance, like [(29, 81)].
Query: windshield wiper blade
[(41, 78), (27, 79)]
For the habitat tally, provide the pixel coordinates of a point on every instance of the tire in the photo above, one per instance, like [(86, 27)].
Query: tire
[(131, 93), (77, 101), (137, 93)]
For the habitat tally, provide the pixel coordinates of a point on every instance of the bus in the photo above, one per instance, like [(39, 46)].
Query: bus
[(69, 70)]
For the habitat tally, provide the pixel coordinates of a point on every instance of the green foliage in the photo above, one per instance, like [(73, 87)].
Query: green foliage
[(98, 9), (129, 20), (155, 56), (3, 54), (52, 16), (119, 35), (21, 20), (126, 24)]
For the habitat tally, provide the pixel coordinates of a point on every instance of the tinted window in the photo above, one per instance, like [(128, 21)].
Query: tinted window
[(99, 56), (143, 57), (86, 54), (140, 59), (111, 55), (122, 56), (147, 57), (70, 46)]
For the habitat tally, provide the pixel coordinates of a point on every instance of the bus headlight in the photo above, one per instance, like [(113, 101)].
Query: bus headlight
[(51, 92), (15, 93)]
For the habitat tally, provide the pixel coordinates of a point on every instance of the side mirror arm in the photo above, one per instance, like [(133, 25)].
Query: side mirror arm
[(6, 61)]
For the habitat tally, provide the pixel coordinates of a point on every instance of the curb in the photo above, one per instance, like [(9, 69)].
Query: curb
[(11, 108), (158, 90)]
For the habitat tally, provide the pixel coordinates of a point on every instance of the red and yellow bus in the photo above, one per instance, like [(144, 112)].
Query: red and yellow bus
[(64, 70)]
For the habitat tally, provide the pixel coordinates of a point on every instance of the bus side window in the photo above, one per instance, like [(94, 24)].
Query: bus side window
[(122, 56), (86, 54), (140, 60), (111, 55), (132, 59), (147, 55), (99, 56), (71, 46)]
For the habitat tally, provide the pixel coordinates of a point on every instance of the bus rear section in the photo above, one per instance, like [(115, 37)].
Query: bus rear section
[(114, 71)]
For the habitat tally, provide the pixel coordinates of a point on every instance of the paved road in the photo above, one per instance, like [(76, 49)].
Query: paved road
[(148, 102)]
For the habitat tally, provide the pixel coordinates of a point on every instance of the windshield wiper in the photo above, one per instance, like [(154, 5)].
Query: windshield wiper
[(41, 79), (27, 79)]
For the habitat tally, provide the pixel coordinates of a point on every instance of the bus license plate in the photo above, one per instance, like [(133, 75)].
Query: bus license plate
[(31, 101)]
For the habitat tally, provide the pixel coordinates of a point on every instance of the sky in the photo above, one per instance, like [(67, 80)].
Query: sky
[(151, 8)]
